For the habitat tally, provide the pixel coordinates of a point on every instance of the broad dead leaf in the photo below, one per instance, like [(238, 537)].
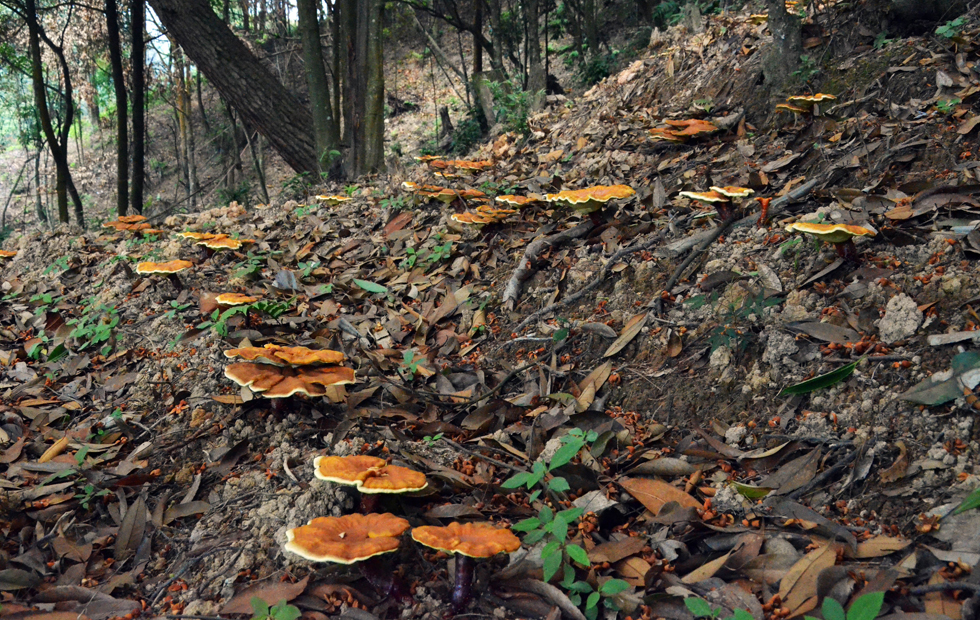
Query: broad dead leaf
[(271, 593), (941, 602), (653, 494), (630, 330), (880, 546), (800, 583)]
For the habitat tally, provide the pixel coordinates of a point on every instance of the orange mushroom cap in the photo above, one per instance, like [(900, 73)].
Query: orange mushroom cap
[(427, 158), (518, 201), (591, 199), (169, 267), (278, 355), (711, 196), (347, 539), (663, 133), (696, 129), (130, 219), (235, 299), (369, 474), (448, 195), (785, 107), (7, 253), (278, 382), (200, 235), (224, 243), (333, 200), (152, 231), (473, 219), (807, 101), (476, 540), (730, 191), (831, 233)]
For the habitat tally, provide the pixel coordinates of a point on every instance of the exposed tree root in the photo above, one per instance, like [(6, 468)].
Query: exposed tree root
[(526, 267), (658, 303)]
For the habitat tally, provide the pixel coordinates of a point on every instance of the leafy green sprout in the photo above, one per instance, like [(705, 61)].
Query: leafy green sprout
[(946, 106), (558, 554), (219, 318), (440, 253), (307, 268), (175, 307), (865, 607), (60, 264), (280, 611), (952, 28), (410, 364), (430, 440)]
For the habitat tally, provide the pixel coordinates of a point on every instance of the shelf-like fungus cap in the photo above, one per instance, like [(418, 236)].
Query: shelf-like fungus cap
[(7, 253), (131, 219), (785, 107), (665, 133), (152, 231), (169, 267), (711, 196), (427, 158), (590, 199), (808, 101), (699, 128), (472, 219), (369, 474), (831, 233), (730, 191), (333, 200), (347, 539), (476, 540), (282, 382), (224, 243), (517, 201), (200, 236), (278, 355), (235, 299), (449, 195)]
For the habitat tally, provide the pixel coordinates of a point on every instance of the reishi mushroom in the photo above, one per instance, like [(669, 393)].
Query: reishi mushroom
[(7, 253), (170, 268), (720, 202), (370, 475), (283, 381), (841, 235), (353, 539), (468, 541), (278, 355), (333, 201), (591, 200), (764, 212)]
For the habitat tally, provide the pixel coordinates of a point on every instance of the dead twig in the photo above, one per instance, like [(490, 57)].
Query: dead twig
[(526, 267), (658, 303)]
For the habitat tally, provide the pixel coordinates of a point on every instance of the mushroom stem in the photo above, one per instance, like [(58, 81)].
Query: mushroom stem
[(175, 281), (597, 218), (383, 578), (848, 251), (369, 502), (464, 582), (724, 211)]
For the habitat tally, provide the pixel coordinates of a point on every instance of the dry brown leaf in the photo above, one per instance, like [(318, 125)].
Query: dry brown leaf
[(271, 593), (674, 344), (879, 546), (653, 494), (941, 602), (591, 385), (56, 448), (706, 570), (800, 583), (630, 330), (633, 570), (896, 470)]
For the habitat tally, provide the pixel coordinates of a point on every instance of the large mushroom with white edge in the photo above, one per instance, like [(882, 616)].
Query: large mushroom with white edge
[(279, 355), (353, 539), (277, 382), (332, 201), (591, 200), (370, 475), (7, 254), (468, 541), (731, 192), (169, 268), (720, 202), (841, 235)]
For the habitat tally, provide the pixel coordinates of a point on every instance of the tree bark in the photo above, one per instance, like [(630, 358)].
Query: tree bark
[(57, 144), (316, 80), (138, 59), (122, 121), (536, 79), (364, 123), (783, 57), (240, 77)]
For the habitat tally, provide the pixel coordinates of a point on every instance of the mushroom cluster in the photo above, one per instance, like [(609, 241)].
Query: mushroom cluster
[(803, 104), (132, 223), (447, 167), (360, 538), (215, 241), (483, 215), (682, 131), (278, 372), (721, 198), (333, 201)]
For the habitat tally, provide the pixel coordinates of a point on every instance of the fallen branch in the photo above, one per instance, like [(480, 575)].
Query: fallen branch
[(526, 267), (658, 303), (679, 247), (591, 285)]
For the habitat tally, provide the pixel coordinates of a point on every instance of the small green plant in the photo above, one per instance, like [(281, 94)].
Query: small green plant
[(808, 69), (89, 493), (512, 105), (410, 257), (430, 440), (280, 611), (606, 590), (731, 331), (882, 40), (94, 326), (440, 253), (410, 364), (395, 203), (597, 68), (303, 211), (702, 609), (865, 607), (60, 264), (297, 187), (952, 28), (175, 308), (252, 265), (465, 136), (219, 319), (306, 269), (947, 106), (706, 104), (350, 189)]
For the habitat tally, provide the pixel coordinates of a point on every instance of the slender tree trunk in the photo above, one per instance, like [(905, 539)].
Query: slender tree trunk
[(783, 58), (240, 77), (191, 150), (122, 123), (477, 36), (235, 159), (138, 60), (365, 83), (536, 79), (316, 80), (91, 95), (591, 21), (244, 5), (57, 144), (38, 205), (257, 162), (184, 123), (335, 65), (200, 103)]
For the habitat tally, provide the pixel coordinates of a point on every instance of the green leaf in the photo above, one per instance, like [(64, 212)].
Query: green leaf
[(866, 607), (559, 485), (751, 492), (550, 549), (822, 381), (832, 610), (533, 537), (526, 525), (260, 608), (558, 529), (578, 554), (972, 501), (569, 516), (565, 454), (613, 586), (371, 287), (581, 587), (560, 335), (516, 481), (593, 600), (285, 611), (741, 614), (551, 565), (534, 496), (546, 515), (699, 607)]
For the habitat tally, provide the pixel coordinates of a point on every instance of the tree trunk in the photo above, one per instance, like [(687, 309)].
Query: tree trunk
[(91, 95), (591, 22), (57, 144), (498, 42), (122, 122), (335, 70), (138, 59), (783, 57), (536, 79), (184, 123), (477, 35), (364, 123), (316, 80), (240, 77)]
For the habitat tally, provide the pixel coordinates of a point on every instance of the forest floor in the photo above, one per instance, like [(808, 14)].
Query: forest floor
[(773, 426)]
